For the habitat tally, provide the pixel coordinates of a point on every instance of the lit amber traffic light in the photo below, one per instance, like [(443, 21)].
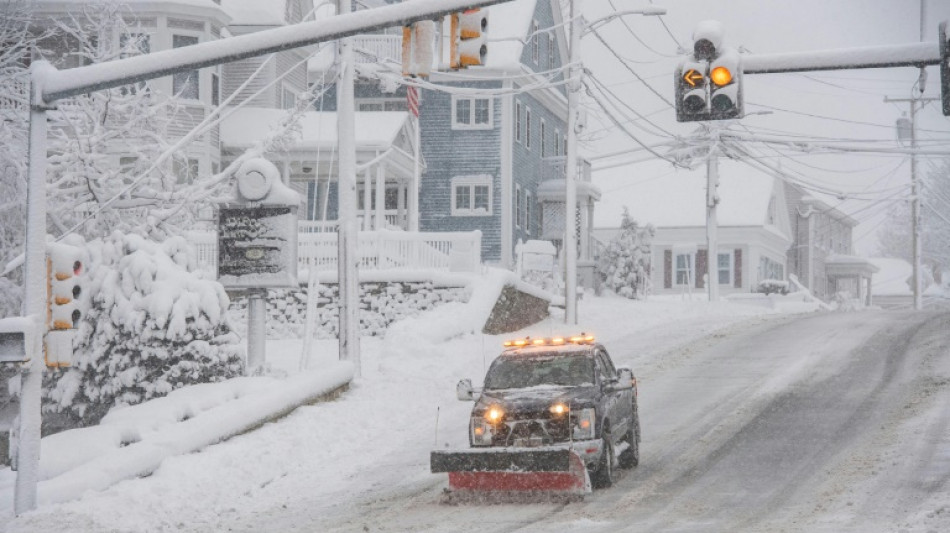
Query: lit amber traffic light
[(720, 76)]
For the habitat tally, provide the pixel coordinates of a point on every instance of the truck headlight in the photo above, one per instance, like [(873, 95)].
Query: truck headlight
[(584, 424), (481, 431)]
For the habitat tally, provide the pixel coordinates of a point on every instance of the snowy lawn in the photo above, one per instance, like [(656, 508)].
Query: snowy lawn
[(318, 457)]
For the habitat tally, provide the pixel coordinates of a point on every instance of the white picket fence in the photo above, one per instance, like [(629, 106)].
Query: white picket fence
[(379, 250)]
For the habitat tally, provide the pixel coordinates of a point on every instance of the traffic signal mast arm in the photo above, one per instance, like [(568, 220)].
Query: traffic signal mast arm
[(897, 55), (55, 84)]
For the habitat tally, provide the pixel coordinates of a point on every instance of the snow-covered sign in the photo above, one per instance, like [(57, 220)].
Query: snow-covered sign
[(15, 332), (537, 255), (257, 246)]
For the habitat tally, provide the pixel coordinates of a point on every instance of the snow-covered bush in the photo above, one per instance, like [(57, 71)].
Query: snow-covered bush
[(624, 264), (152, 324), (771, 286)]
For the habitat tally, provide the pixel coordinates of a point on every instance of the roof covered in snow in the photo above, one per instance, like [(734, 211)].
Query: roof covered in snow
[(247, 126)]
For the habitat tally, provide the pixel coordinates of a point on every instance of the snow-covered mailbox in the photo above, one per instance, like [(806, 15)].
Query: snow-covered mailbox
[(257, 244)]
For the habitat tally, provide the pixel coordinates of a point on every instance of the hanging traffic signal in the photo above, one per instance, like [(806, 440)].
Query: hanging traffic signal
[(417, 41), (468, 45), (944, 68), (708, 85)]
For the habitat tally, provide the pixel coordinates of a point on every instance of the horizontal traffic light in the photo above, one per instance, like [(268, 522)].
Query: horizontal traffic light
[(708, 85)]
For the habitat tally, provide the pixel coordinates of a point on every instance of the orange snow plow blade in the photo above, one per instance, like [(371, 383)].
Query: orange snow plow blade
[(512, 473)]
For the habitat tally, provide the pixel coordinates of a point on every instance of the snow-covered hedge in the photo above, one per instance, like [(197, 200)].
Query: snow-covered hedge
[(152, 324), (771, 286), (381, 304)]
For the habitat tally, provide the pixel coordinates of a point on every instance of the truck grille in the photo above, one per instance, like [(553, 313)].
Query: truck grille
[(532, 432)]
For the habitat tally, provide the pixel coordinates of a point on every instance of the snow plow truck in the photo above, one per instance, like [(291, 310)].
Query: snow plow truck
[(555, 418)]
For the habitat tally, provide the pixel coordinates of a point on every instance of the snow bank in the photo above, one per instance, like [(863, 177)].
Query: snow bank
[(134, 441)]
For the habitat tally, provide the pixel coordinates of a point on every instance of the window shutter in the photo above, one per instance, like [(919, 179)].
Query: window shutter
[(667, 269), (738, 268), (700, 268)]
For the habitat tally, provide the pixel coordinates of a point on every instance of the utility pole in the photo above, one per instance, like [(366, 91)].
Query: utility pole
[(712, 224), (347, 233), (570, 173), (916, 237)]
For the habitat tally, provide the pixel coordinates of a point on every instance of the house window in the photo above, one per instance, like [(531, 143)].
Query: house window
[(542, 138), (215, 90), (557, 141), (518, 121), (518, 208), (527, 127), (552, 59), (772, 211), (684, 269), (185, 171), (471, 195), (724, 268), (133, 44), (527, 213), (288, 100), (769, 269), (471, 113), (535, 43), (185, 84)]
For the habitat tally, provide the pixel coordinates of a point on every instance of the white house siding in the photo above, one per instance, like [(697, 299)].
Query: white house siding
[(238, 72)]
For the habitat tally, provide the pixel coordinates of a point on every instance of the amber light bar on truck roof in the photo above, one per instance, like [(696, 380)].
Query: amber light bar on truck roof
[(583, 338)]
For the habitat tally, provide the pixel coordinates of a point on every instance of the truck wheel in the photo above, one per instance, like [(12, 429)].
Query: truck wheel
[(605, 475), (630, 457)]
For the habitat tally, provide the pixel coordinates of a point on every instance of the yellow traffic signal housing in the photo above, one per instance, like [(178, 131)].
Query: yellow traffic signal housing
[(468, 45), (64, 290)]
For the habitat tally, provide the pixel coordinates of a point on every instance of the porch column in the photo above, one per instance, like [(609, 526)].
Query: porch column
[(380, 196), (401, 205), (367, 200), (870, 301)]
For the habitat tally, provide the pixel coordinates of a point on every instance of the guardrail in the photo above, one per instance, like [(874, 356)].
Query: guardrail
[(379, 250)]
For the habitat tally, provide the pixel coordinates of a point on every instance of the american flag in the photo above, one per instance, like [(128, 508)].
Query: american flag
[(412, 99)]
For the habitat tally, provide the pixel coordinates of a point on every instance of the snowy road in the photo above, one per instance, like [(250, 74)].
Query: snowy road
[(821, 422), (797, 425)]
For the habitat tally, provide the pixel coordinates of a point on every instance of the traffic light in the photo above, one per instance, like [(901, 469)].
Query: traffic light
[(468, 45), (708, 85), (417, 41), (64, 266), (944, 69)]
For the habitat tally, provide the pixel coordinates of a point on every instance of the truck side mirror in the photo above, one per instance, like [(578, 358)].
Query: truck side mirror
[(464, 390), (626, 378)]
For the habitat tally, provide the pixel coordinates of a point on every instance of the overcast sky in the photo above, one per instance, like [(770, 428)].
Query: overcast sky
[(845, 104)]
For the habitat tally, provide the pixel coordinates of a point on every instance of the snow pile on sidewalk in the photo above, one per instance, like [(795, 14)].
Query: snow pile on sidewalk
[(134, 441)]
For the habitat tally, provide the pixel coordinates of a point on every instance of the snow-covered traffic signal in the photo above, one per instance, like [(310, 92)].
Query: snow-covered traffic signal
[(708, 85), (469, 38), (65, 268)]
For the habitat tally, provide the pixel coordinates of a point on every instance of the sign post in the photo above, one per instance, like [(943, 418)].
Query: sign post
[(257, 246)]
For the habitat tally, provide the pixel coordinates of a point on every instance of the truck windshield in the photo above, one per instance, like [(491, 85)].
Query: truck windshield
[(518, 372)]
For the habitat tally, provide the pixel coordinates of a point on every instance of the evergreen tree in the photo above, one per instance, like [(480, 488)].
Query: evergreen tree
[(624, 265)]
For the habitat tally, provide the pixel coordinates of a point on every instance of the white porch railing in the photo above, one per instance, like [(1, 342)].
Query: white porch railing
[(378, 48), (379, 250)]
